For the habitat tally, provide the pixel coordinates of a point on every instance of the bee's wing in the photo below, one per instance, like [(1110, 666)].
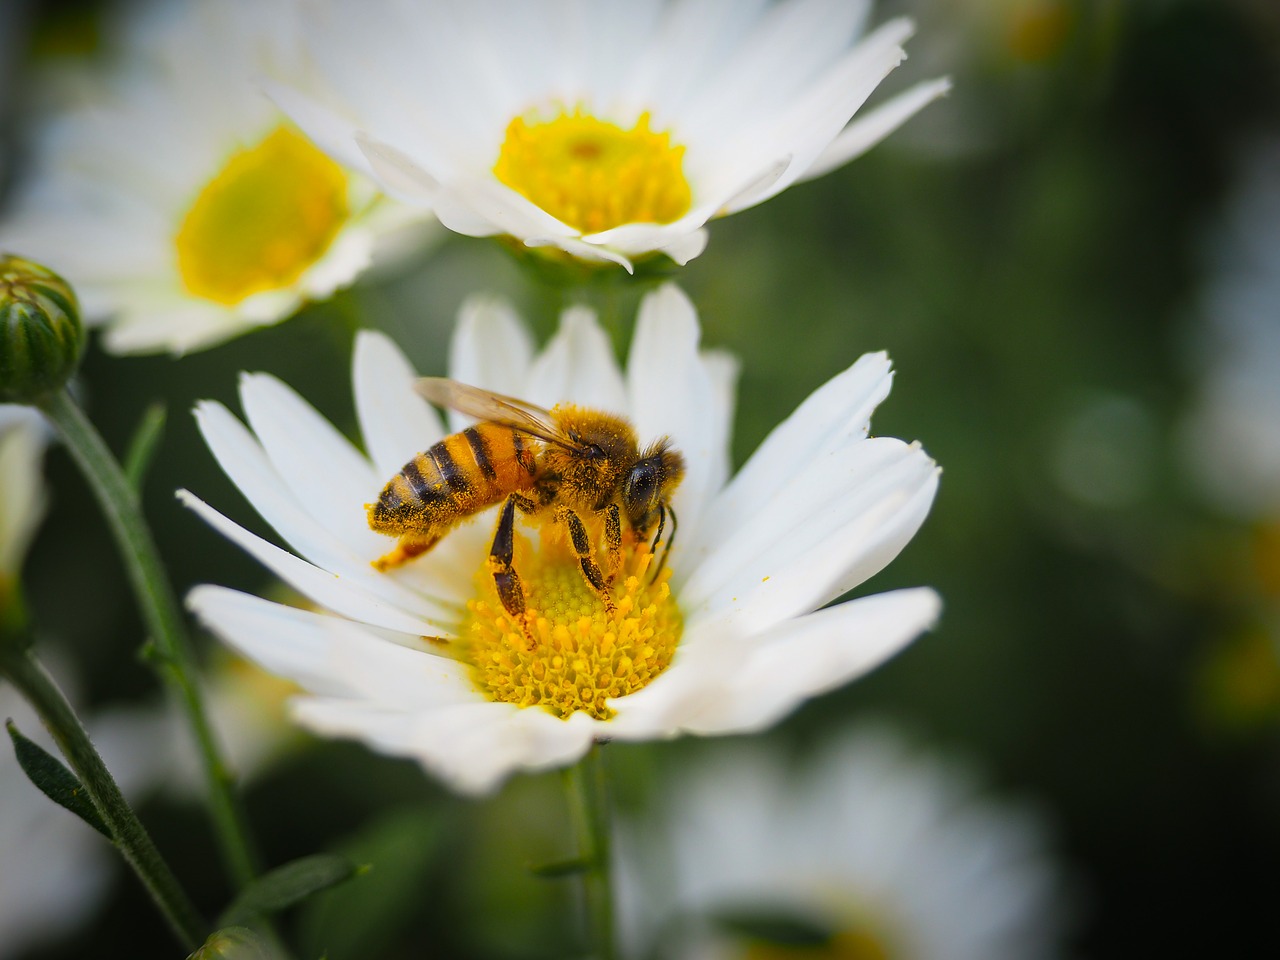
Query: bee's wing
[(493, 407)]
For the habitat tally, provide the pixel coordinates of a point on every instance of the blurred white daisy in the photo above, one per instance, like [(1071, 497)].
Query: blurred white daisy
[(246, 707), (869, 851), (421, 661), (177, 199), (1232, 434), (23, 437), (604, 130), (56, 868)]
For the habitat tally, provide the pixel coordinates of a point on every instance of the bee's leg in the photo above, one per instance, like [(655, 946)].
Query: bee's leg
[(505, 578), (613, 540), (663, 510), (582, 548), (525, 504), (406, 548)]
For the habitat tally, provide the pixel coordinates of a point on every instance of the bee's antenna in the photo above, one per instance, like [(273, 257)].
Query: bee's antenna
[(663, 510)]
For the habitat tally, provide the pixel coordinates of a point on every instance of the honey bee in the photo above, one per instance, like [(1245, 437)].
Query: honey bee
[(562, 463)]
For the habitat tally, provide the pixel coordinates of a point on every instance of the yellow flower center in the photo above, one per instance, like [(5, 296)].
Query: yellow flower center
[(855, 944), (268, 215), (594, 175), (570, 653)]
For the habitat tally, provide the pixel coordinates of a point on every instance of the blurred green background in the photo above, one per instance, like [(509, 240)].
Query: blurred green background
[(1030, 251)]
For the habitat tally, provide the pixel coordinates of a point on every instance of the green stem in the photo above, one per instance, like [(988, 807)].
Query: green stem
[(130, 835), (589, 805), (170, 646)]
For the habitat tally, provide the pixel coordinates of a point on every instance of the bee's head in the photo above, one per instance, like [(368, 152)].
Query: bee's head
[(650, 483)]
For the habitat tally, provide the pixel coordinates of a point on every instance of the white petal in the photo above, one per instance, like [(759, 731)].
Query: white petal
[(702, 658), (829, 417), (327, 475), (581, 249), (812, 655), (432, 587), (473, 747), (687, 247), (722, 369), (638, 238), (798, 660), (821, 555), (398, 175), (869, 129), (672, 395), (395, 421), (811, 124), (760, 182), (175, 326), (692, 43), (348, 256), (320, 586), (330, 132), (681, 240), (330, 656), (577, 366), (242, 459), (790, 45), (491, 348), (23, 437), (821, 493), (508, 211)]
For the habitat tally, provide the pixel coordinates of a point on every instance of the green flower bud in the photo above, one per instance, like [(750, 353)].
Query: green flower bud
[(40, 332), (234, 943), (13, 619)]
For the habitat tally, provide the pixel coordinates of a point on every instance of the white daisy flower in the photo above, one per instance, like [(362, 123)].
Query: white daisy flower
[(178, 200), (603, 130), (885, 851), (424, 661), (23, 437)]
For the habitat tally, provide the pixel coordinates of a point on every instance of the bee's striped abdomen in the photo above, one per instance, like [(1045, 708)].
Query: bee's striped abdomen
[(458, 476)]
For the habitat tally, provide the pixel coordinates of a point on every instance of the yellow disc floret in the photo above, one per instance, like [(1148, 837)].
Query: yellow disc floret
[(594, 175), (571, 654), (268, 215)]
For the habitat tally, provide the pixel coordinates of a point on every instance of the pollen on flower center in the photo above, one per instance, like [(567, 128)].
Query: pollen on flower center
[(571, 653), (594, 175), (269, 214)]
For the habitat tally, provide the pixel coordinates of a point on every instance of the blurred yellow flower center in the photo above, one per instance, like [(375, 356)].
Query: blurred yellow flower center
[(571, 653), (845, 945), (594, 175), (268, 215)]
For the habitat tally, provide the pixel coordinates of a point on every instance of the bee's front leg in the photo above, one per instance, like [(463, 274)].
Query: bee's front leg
[(663, 510), (585, 552), (505, 578), (613, 540)]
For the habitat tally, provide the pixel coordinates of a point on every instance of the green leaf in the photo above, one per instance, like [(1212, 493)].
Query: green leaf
[(142, 448), (54, 780), (561, 868), (287, 885)]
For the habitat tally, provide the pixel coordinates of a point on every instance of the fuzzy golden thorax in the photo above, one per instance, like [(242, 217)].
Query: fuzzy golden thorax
[(591, 477)]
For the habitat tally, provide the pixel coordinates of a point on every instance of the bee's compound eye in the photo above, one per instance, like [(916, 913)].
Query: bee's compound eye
[(641, 481)]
